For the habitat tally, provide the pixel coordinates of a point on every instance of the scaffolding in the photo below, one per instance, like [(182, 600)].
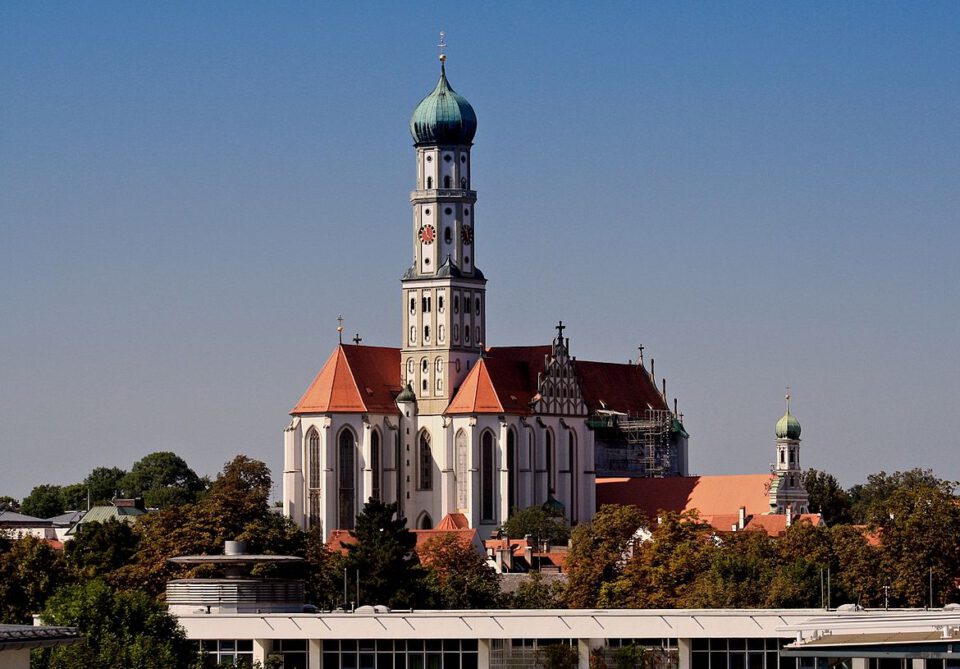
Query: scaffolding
[(646, 438)]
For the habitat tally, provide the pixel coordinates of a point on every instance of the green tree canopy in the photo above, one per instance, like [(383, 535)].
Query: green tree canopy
[(537, 591), (458, 576), (163, 479), (827, 497), (383, 554), (122, 629), (8, 503), (103, 483), (44, 501), (30, 572), (598, 552), (99, 549), (542, 522)]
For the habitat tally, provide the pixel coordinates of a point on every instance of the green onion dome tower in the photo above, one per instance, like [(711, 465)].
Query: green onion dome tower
[(444, 116)]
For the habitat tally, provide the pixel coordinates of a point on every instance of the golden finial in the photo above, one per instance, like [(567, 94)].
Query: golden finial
[(787, 397), (443, 46), (340, 327)]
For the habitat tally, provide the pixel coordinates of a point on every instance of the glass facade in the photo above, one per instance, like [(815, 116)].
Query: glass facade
[(400, 654), (226, 652)]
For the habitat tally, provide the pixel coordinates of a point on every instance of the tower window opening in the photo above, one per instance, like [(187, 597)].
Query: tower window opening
[(456, 304), (410, 366), (466, 334), (487, 476), (429, 158), (782, 458), (447, 235), (456, 333), (440, 332), (447, 158), (466, 259), (425, 461), (463, 183), (446, 181), (476, 333), (426, 333), (426, 304), (477, 303), (413, 333), (413, 305), (424, 365), (424, 386), (466, 212), (463, 159), (448, 211), (440, 304), (429, 182), (346, 479)]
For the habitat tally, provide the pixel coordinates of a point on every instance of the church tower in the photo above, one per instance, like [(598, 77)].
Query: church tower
[(443, 292), (787, 494)]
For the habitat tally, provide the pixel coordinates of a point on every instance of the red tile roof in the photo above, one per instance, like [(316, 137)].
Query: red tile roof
[(776, 524), (618, 387), (355, 379), (711, 495), (505, 381), (338, 540), (453, 521)]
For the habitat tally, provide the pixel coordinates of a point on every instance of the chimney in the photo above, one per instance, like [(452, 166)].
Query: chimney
[(789, 515), (742, 517)]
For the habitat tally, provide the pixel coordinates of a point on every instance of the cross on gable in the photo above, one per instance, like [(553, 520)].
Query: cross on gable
[(560, 328), (357, 339)]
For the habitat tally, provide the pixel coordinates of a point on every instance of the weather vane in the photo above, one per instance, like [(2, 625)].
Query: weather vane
[(443, 46), (340, 327)]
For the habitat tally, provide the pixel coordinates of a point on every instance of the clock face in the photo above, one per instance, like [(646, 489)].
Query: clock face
[(466, 234), (427, 234)]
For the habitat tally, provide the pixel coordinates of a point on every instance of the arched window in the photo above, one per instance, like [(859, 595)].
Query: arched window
[(413, 333), (314, 477), (413, 305), (511, 470), (426, 333), (462, 467), (441, 332), (477, 305), (466, 334), (425, 522), (456, 333), (425, 460), (574, 478), (487, 473), (463, 183), (429, 183), (548, 452), (346, 479), (446, 181), (376, 465), (456, 304), (447, 235)]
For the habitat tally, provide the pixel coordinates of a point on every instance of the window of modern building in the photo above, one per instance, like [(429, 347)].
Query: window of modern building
[(346, 479), (227, 652), (293, 652), (400, 653), (425, 459)]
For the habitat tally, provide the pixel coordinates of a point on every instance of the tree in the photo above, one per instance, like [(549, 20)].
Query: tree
[(8, 503), (163, 479), (868, 501), (237, 507), (737, 573), (537, 592), (383, 555), (99, 549), (598, 551), (458, 576), (827, 497), (662, 570), (74, 496), (542, 522), (323, 571), (30, 572), (858, 578), (44, 501), (103, 483), (122, 629), (805, 552)]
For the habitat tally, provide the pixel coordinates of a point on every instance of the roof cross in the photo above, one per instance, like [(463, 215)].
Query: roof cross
[(788, 399), (357, 339), (340, 327), (442, 46), (560, 328)]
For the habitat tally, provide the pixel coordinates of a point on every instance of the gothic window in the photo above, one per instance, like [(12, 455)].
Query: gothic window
[(462, 468), (429, 183), (425, 522), (376, 465), (511, 470), (446, 181), (548, 448), (346, 477), (574, 478), (425, 460), (487, 472), (313, 455)]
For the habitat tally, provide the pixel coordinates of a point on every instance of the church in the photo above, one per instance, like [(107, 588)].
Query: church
[(445, 424)]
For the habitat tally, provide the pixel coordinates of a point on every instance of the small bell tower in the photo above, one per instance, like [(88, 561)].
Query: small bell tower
[(787, 491)]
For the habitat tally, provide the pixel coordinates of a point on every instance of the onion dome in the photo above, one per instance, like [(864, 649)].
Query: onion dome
[(443, 117), (788, 427), (407, 395)]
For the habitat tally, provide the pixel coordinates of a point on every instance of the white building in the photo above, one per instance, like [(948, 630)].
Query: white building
[(444, 424)]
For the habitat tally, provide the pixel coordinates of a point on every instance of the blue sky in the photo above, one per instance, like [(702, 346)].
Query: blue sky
[(762, 194)]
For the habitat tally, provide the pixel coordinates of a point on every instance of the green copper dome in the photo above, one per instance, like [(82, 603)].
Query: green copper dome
[(788, 427), (407, 395), (443, 117)]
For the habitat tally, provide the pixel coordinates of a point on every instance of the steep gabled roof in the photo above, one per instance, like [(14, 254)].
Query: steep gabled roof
[(354, 379), (710, 495), (494, 385), (618, 387)]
